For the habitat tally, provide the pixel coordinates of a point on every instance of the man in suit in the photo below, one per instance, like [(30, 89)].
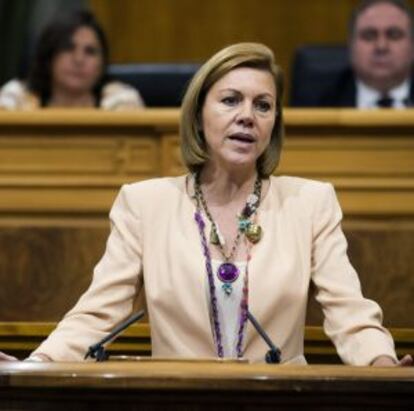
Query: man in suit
[(381, 53)]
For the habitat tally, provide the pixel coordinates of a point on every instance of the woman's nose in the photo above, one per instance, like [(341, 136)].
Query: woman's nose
[(245, 115), (78, 55)]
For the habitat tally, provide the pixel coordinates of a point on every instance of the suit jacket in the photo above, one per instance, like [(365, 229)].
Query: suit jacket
[(343, 92), (154, 243)]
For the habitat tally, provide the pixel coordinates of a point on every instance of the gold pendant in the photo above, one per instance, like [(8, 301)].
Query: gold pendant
[(254, 233), (214, 238)]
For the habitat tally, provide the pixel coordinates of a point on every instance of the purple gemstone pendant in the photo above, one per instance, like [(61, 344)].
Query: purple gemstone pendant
[(227, 273)]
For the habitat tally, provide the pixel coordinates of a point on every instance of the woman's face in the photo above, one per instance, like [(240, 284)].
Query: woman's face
[(238, 116), (77, 69)]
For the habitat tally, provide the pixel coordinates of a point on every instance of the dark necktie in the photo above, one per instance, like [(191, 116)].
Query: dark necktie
[(385, 102)]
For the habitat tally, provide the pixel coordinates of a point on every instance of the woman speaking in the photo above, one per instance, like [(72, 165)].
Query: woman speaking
[(226, 238)]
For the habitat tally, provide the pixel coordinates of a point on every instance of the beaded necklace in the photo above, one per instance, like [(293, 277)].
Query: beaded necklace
[(228, 272), (206, 251)]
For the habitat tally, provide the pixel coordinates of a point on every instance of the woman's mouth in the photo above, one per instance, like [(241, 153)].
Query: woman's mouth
[(245, 138)]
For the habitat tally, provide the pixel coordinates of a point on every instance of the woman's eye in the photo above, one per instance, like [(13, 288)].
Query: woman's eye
[(91, 51), (230, 100), (263, 106)]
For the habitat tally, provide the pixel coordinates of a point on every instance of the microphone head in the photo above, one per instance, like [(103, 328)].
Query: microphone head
[(273, 356)]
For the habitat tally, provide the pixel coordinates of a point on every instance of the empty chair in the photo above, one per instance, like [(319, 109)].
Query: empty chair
[(316, 70), (161, 85)]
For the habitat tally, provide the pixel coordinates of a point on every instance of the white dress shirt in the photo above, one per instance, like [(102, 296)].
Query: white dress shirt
[(367, 97)]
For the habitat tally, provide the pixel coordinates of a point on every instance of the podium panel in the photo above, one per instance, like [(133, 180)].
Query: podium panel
[(200, 386)]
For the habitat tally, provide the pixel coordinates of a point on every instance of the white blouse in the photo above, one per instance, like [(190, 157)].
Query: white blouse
[(228, 307), (14, 95)]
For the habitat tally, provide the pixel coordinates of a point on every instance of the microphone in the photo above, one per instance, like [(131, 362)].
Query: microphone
[(97, 350), (274, 354), (408, 102)]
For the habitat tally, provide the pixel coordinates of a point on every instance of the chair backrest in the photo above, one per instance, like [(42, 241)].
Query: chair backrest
[(161, 85), (315, 69)]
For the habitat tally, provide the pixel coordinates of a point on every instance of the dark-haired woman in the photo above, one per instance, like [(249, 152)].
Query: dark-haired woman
[(69, 70)]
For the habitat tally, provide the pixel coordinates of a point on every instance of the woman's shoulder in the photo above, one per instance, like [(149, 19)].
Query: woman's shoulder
[(303, 196), (302, 193), (288, 186), (15, 85), (120, 96), (155, 188), (14, 95)]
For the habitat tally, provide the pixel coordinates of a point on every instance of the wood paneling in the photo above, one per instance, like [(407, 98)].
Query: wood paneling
[(382, 254), (43, 270), (191, 31)]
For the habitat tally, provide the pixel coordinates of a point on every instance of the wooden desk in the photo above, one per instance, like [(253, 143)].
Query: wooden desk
[(202, 386), (60, 171)]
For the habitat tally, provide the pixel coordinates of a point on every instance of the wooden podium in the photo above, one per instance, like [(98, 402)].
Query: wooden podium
[(202, 385)]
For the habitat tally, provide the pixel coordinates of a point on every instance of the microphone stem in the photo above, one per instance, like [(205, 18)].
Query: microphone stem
[(97, 350), (260, 330), (137, 316)]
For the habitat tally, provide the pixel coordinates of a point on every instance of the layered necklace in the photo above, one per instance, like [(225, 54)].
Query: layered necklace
[(228, 272)]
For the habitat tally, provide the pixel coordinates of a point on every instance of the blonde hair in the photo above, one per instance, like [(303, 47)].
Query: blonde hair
[(193, 145)]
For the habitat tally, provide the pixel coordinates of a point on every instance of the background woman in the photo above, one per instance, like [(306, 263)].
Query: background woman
[(69, 70)]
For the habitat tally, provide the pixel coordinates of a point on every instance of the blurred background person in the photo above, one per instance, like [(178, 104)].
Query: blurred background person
[(68, 69), (381, 57)]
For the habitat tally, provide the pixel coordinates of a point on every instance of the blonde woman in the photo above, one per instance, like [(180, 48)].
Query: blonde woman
[(226, 238)]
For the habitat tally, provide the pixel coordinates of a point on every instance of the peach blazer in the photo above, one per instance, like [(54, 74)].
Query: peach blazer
[(154, 242)]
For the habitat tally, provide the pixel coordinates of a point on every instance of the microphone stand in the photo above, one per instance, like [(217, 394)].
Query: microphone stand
[(97, 350), (274, 354)]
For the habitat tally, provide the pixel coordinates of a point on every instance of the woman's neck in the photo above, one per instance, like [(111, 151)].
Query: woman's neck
[(223, 186), (59, 98)]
